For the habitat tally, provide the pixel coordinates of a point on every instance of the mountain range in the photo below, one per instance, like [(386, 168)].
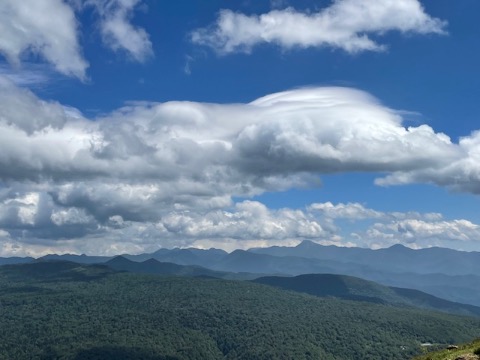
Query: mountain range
[(445, 273)]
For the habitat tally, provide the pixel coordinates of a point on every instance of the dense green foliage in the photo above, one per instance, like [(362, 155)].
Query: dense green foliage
[(67, 311)]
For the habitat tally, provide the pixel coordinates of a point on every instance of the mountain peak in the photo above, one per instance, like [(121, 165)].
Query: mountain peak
[(307, 244), (399, 247)]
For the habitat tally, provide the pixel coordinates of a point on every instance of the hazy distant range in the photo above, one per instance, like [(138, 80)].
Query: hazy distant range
[(445, 273)]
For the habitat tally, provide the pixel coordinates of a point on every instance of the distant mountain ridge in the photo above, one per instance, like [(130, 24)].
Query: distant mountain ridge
[(396, 258), (153, 266), (449, 274)]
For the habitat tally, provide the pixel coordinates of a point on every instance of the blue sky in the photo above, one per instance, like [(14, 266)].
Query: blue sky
[(129, 125)]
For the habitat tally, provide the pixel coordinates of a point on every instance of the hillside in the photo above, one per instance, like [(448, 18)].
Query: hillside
[(468, 351), (101, 314), (353, 288)]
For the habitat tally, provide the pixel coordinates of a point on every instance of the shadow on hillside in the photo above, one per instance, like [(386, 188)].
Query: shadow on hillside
[(111, 353)]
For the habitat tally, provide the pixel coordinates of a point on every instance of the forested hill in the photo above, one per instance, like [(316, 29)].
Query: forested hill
[(71, 311), (353, 288)]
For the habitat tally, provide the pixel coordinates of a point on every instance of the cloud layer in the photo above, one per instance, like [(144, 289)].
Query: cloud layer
[(49, 29), (153, 174), (346, 24)]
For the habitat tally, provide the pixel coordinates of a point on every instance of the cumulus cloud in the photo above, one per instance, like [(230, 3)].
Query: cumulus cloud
[(212, 150), (118, 32), (33, 223), (460, 175), (249, 220), (353, 211), (50, 29), (47, 28), (419, 233), (413, 229), (151, 171), (346, 24)]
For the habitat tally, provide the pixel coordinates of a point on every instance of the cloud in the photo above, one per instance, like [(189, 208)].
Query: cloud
[(210, 150), (32, 223), (47, 28), (352, 211), (32, 76), (462, 175), (346, 24), (50, 29), (383, 229), (249, 220), (419, 233), (151, 171), (117, 31)]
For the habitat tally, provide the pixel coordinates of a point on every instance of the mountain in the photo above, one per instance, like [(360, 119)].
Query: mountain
[(141, 316), (190, 256), (80, 259), (396, 259), (53, 271), (15, 260), (246, 261), (353, 288), (429, 270), (460, 288), (152, 266)]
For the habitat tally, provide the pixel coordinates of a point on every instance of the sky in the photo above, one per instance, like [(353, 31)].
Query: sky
[(132, 125)]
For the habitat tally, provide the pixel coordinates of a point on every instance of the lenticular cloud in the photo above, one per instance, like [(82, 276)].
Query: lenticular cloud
[(207, 151)]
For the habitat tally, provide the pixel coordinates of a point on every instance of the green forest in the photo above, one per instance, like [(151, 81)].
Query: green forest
[(61, 310)]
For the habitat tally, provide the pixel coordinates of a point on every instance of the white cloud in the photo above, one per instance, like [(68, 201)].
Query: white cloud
[(414, 229), (34, 224), (250, 220), (345, 24), (418, 233), (50, 29), (170, 171), (208, 151), (353, 211), (462, 174), (117, 31), (47, 28)]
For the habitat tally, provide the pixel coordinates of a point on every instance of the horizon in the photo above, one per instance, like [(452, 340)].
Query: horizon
[(131, 126), (231, 251)]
